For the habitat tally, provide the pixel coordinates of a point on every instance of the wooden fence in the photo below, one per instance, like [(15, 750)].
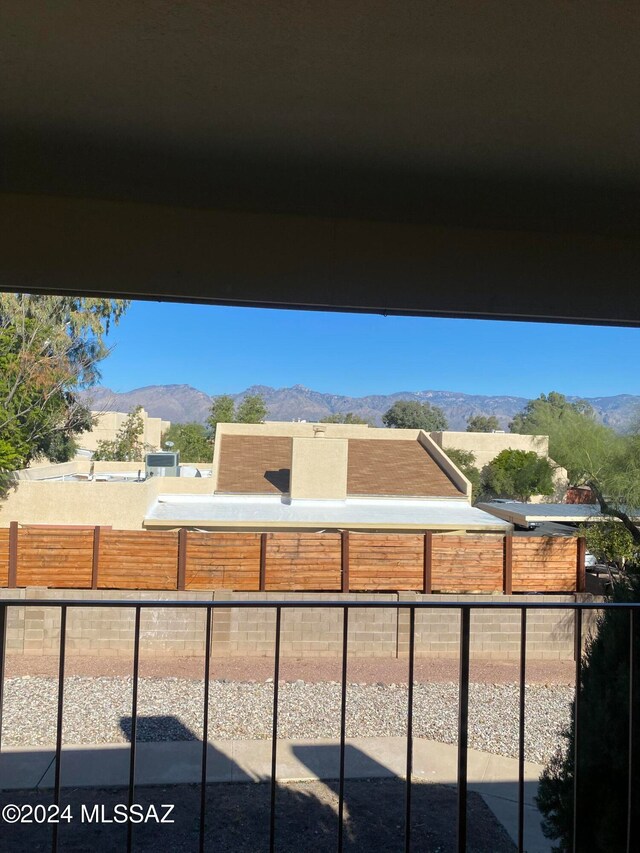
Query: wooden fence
[(101, 558)]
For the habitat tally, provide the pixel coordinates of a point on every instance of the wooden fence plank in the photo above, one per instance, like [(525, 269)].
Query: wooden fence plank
[(122, 559), (54, 558), (223, 561)]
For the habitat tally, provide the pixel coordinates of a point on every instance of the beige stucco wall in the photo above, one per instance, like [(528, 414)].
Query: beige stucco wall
[(445, 463), (123, 506), (108, 424), (319, 468), (301, 429)]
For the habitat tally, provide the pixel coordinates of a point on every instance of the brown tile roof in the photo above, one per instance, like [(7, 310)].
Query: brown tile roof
[(253, 464), (392, 467)]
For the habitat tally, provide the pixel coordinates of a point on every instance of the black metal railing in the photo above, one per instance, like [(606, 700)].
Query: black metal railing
[(346, 607)]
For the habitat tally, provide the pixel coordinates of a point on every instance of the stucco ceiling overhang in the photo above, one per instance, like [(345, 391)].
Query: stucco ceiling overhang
[(456, 158)]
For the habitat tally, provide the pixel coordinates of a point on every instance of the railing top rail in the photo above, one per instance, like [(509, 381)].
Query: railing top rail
[(306, 603)]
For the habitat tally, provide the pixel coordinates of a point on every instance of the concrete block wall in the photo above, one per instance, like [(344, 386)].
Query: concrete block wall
[(312, 632), (309, 632), (495, 634), (105, 631)]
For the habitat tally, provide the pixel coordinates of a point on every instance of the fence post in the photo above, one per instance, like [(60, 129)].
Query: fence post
[(96, 557), (12, 580), (345, 560), (182, 557), (428, 562), (507, 575), (263, 562), (581, 551)]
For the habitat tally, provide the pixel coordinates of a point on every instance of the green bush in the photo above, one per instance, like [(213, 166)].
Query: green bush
[(603, 742)]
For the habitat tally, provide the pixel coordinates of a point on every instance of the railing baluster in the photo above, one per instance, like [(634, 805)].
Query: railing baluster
[(407, 817), (274, 734), (205, 729), (523, 663), (343, 725), (3, 646), (632, 828), (134, 723), (56, 782), (633, 836), (463, 728), (576, 727)]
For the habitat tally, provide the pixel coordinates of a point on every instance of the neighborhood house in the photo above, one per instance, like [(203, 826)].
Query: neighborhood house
[(305, 476)]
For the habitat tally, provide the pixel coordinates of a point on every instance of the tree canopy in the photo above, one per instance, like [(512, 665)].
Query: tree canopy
[(603, 758), (340, 418), (465, 460), (611, 542), (592, 453), (576, 440), (482, 423), (50, 349), (127, 446), (517, 474), (192, 440), (252, 410), (409, 414)]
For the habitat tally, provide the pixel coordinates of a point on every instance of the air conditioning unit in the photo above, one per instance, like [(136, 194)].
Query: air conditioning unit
[(162, 464)]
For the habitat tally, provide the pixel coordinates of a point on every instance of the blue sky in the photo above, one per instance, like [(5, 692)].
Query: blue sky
[(220, 349)]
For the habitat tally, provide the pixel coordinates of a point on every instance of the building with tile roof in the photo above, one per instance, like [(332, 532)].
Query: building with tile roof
[(306, 476)]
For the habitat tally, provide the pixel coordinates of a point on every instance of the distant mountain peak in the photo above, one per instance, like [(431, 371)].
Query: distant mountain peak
[(181, 403)]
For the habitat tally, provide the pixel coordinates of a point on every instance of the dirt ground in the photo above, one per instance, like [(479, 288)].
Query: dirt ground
[(361, 670), (238, 820)]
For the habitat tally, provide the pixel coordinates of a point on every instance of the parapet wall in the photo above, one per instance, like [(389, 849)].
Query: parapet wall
[(309, 632)]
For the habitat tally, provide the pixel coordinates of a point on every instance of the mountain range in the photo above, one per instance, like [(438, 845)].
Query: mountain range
[(183, 403)]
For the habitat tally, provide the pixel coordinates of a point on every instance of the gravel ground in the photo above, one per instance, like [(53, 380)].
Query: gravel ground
[(97, 710), (361, 669)]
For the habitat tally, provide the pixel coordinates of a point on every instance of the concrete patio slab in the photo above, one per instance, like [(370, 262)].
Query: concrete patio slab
[(494, 777)]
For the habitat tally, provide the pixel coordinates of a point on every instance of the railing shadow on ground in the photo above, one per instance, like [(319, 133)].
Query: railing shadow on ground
[(238, 813)]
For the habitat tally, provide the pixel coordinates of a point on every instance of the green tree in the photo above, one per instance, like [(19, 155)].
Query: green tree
[(222, 412), (192, 440), (603, 745), (592, 453), (348, 418), (611, 542), (465, 460), (482, 423), (409, 414), (50, 349), (127, 446), (517, 474), (610, 465), (252, 410), (577, 441)]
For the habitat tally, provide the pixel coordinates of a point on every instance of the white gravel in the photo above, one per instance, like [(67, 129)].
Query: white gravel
[(98, 710)]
